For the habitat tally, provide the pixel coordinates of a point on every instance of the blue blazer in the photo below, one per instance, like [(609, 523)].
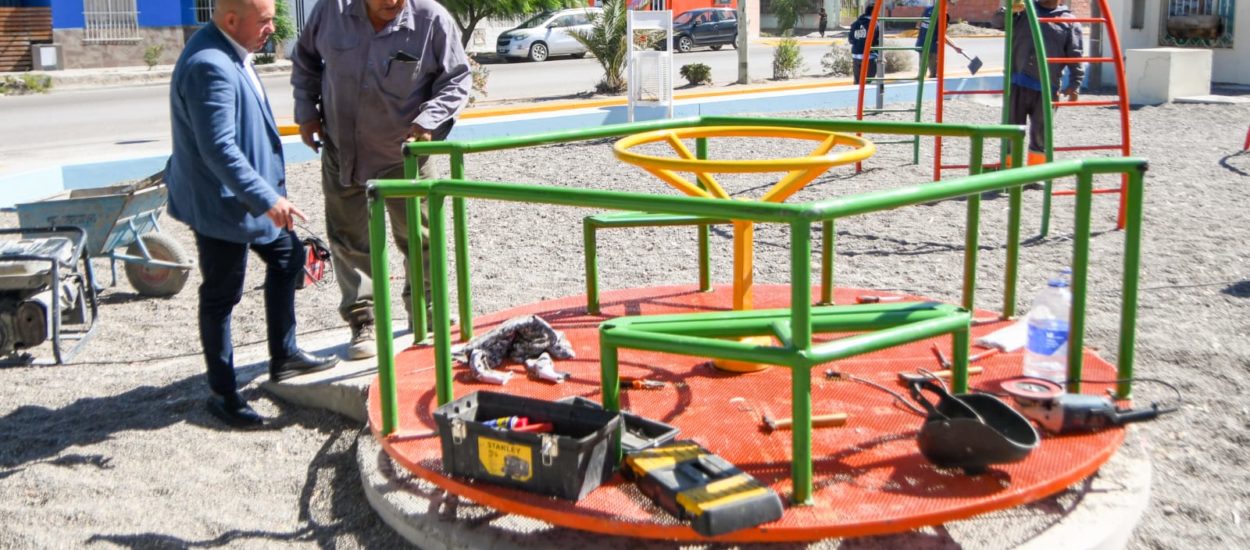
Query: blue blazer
[(226, 170)]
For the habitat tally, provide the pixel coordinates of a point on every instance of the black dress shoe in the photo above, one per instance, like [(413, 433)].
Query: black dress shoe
[(300, 363), (234, 411)]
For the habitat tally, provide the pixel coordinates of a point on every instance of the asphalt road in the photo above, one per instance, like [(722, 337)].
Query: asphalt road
[(65, 127)]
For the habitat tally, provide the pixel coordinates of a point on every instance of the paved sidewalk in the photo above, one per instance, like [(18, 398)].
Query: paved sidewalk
[(104, 77)]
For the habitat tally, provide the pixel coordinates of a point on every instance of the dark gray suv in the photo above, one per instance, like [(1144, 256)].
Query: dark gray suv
[(713, 27)]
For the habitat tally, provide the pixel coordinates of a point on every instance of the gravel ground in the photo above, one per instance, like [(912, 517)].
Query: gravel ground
[(117, 447)]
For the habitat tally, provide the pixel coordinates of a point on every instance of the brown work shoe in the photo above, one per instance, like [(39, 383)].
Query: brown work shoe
[(363, 344)]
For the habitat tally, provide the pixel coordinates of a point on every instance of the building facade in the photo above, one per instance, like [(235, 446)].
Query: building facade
[(1211, 24), (106, 33)]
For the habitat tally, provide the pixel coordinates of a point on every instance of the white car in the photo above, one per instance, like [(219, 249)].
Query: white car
[(546, 34)]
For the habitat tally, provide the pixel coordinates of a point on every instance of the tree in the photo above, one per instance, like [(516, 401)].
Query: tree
[(283, 26), (606, 41), (788, 13), (468, 13)]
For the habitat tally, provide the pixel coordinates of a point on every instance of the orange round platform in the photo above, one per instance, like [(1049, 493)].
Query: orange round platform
[(869, 475)]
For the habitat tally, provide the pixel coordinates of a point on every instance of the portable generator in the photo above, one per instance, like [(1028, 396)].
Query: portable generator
[(47, 292)]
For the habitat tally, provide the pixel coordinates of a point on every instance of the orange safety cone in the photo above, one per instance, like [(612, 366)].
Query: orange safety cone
[(1036, 158)]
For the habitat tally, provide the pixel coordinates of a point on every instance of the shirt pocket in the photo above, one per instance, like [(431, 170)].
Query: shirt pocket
[(401, 77), (340, 49)]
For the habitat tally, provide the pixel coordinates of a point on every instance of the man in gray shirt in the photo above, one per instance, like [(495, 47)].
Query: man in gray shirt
[(370, 75)]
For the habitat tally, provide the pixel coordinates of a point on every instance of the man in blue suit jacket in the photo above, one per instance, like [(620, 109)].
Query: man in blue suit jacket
[(227, 182)]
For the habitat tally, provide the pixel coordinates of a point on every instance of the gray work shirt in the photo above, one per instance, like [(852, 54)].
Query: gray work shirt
[(369, 87)]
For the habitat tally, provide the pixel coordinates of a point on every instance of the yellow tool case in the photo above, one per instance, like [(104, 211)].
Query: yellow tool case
[(695, 485)]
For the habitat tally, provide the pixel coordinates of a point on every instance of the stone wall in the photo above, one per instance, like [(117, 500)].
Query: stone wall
[(79, 53)]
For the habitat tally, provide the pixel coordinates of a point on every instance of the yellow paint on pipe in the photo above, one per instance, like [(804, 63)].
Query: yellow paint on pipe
[(708, 181), (623, 150), (682, 184), (744, 264)]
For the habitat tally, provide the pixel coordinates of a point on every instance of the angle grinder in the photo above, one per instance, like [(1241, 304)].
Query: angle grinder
[(1057, 412)]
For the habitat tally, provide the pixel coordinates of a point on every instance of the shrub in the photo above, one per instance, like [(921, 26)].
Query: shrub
[(837, 61), (25, 84), (152, 55), (787, 59), (479, 80), (897, 61), (788, 13), (696, 73)]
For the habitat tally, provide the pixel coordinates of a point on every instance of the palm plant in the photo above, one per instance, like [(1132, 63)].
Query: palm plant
[(606, 41)]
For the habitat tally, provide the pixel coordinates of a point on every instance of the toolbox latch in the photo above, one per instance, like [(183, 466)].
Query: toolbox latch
[(550, 449), (457, 430)]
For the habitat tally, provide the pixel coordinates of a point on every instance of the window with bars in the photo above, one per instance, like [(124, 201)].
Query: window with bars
[(204, 10), (111, 21), (1197, 23)]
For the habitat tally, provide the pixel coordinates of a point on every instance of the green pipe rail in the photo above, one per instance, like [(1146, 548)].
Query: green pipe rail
[(1048, 108), (691, 333)]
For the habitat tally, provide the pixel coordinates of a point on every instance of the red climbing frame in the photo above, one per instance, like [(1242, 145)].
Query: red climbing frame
[(1117, 60), (1121, 102)]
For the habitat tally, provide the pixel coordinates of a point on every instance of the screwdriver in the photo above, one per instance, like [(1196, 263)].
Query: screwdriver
[(642, 383)]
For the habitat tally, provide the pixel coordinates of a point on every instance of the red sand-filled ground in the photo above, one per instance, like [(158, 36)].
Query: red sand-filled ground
[(869, 475)]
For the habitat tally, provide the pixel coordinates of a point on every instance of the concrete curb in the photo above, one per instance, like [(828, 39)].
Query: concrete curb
[(343, 389), (1095, 515)]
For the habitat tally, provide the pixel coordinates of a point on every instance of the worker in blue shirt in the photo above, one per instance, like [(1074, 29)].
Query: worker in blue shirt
[(858, 37), (924, 33)]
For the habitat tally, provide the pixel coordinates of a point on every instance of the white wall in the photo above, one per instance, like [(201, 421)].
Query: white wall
[(1228, 64)]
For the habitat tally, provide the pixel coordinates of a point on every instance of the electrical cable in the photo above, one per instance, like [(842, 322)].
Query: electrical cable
[(1180, 397), (831, 374)]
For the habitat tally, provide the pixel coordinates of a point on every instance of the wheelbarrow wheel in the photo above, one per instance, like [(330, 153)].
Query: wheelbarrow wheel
[(157, 281)]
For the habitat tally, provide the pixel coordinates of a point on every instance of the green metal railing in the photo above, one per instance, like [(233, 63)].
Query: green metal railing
[(698, 334)]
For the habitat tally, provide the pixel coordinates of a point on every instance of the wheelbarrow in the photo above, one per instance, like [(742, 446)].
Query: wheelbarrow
[(117, 217)]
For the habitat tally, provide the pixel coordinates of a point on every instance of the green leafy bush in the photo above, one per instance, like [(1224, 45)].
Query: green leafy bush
[(787, 59), (696, 73), (152, 55), (25, 84), (788, 13)]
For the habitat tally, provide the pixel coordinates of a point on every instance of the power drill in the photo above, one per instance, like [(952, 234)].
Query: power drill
[(1061, 413)]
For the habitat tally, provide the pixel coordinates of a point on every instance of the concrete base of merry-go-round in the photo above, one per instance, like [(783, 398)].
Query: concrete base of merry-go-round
[(870, 480)]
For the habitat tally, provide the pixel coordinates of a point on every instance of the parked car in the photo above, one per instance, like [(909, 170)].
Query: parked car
[(546, 34), (713, 27)]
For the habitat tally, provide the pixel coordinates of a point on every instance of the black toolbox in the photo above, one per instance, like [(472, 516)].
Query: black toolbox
[(695, 485), (640, 432), (569, 462)]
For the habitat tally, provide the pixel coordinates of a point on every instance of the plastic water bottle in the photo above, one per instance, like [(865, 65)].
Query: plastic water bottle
[(1046, 354)]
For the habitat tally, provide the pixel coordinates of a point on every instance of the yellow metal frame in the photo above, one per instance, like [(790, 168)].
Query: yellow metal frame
[(800, 171)]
